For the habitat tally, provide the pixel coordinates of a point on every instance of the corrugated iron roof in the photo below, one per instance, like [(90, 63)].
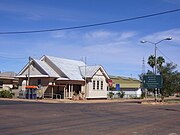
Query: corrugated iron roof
[(69, 67), (8, 74), (46, 68), (88, 71)]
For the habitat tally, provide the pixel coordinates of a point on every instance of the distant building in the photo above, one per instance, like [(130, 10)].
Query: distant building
[(130, 86), (64, 77), (8, 80)]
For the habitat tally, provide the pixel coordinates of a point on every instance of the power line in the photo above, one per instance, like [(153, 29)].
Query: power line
[(166, 57), (90, 25)]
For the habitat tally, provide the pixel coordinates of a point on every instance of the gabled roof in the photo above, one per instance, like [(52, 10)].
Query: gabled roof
[(8, 75), (49, 72), (63, 69), (90, 71), (69, 67)]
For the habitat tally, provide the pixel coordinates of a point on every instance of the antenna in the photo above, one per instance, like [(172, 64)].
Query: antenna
[(143, 66)]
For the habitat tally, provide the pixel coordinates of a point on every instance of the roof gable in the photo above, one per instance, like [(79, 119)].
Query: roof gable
[(38, 68), (35, 69), (90, 71), (47, 68)]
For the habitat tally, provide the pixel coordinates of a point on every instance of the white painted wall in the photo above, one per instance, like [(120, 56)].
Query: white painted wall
[(130, 94), (97, 93), (7, 86)]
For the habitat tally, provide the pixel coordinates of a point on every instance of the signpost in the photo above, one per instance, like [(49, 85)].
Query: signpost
[(152, 81), (110, 82)]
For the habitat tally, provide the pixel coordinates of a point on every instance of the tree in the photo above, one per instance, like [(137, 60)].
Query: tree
[(151, 61), (160, 61), (171, 79)]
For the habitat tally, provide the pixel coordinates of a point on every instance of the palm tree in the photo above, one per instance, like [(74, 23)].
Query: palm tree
[(160, 61), (151, 61)]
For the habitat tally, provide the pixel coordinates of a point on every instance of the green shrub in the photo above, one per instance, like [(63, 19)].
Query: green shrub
[(111, 94), (121, 94), (6, 94), (143, 95)]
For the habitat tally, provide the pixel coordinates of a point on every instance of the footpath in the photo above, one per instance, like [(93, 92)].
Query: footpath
[(140, 101)]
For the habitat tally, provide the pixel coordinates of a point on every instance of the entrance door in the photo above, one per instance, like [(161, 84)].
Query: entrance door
[(77, 88)]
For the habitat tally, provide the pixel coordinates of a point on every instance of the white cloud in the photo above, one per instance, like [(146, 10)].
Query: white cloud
[(96, 37), (111, 35), (128, 34), (38, 12), (66, 34), (174, 2), (101, 46), (174, 33), (99, 34)]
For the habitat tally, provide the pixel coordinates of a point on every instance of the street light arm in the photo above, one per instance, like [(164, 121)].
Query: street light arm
[(151, 42), (155, 43), (144, 41), (160, 41), (169, 38)]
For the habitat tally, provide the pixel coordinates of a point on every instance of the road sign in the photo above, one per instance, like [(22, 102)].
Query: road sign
[(110, 82), (117, 86), (152, 81)]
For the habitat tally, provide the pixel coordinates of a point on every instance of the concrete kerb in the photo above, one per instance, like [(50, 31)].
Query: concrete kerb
[(72, 101)]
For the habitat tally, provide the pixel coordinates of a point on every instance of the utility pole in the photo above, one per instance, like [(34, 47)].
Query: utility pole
[(85, 77), (29, 70)]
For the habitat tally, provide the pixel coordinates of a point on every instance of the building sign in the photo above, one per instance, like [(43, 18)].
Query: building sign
[(152, 81), (117, 86)]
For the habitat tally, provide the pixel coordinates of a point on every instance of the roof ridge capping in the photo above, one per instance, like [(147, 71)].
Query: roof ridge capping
[(67, 59)]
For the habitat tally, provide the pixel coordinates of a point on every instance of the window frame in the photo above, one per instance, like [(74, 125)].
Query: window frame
[(102, 84), (97, 86), (94, 84)]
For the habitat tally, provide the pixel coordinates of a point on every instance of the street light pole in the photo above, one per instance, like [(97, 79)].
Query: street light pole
[(155, 60), (155, 55), (155, 49)]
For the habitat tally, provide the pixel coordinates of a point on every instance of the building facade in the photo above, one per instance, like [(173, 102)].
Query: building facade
[(8, 80), (64, 78)]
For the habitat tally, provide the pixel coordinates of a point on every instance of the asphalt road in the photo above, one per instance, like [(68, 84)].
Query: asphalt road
[(25, 118)]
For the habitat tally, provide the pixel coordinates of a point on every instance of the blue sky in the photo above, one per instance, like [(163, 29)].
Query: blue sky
[(115, 46)]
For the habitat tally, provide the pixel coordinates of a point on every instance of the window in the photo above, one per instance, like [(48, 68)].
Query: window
[(97, 85), (101, 85), (39, 81), (1, 84), (94, 84)]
